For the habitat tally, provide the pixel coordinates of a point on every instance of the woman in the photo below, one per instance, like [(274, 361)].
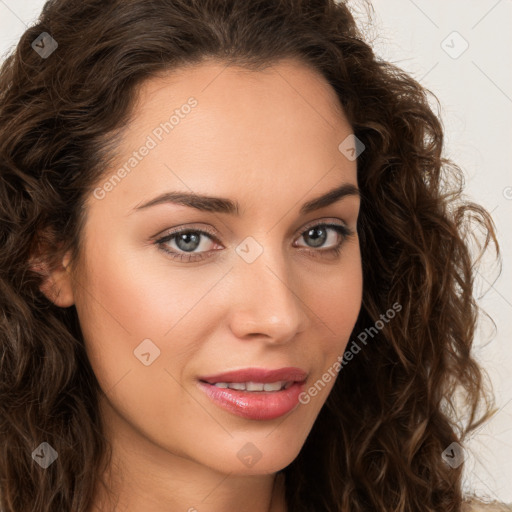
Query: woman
[(234, 272)]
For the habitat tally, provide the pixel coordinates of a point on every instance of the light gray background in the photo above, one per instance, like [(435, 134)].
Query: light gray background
[(475, 92)]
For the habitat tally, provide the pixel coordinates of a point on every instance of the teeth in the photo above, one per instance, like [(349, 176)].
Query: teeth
[(255, 386), (273, 386)]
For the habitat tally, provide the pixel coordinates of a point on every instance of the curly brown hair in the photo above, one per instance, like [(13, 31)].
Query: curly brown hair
[(377, 443)]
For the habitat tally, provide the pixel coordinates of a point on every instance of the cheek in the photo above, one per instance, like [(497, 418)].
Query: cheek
[(336, 301), (128, 297), (336, 305), (137, 293), (341, 300), (124, 322), (338, 298)]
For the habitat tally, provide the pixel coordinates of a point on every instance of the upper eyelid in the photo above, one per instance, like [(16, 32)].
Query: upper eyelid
[(212, 235)]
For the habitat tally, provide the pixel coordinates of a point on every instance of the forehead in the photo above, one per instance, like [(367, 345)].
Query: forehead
[(284, 85), (248, 133)]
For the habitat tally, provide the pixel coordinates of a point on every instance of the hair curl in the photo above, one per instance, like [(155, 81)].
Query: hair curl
[(377, 442)]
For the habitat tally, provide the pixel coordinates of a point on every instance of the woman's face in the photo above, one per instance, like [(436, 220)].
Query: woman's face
[(258, 288)]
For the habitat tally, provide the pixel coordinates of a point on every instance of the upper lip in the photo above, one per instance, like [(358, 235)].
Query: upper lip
[(263, 375)]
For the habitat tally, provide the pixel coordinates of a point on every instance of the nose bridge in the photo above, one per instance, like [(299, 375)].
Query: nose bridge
[(268, 294)]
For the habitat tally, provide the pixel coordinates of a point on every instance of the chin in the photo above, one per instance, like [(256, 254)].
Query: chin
[(252, 456)]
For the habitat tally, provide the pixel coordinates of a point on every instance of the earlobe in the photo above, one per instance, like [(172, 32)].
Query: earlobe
[(57, 283)]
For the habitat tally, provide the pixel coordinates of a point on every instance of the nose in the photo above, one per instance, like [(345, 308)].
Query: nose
[(267, 299)]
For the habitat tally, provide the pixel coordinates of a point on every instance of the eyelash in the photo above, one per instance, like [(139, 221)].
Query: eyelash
[(335, 251)]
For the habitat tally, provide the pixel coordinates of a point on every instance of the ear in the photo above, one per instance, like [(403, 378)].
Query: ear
[(57, 283)]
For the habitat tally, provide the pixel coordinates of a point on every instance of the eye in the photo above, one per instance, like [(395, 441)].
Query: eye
[(186, 241), (319, 233)]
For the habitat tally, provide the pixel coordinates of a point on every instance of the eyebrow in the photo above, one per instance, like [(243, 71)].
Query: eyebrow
[(223, 205)]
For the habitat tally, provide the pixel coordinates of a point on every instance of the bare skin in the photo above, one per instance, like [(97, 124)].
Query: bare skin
[(268, 140)]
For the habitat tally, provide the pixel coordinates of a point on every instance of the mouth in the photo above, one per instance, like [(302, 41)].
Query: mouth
[(256, 394)]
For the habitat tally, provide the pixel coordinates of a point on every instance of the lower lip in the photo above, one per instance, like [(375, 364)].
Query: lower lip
[(255, 405)]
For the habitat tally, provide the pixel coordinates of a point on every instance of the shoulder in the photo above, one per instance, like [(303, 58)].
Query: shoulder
[(474, 505)]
